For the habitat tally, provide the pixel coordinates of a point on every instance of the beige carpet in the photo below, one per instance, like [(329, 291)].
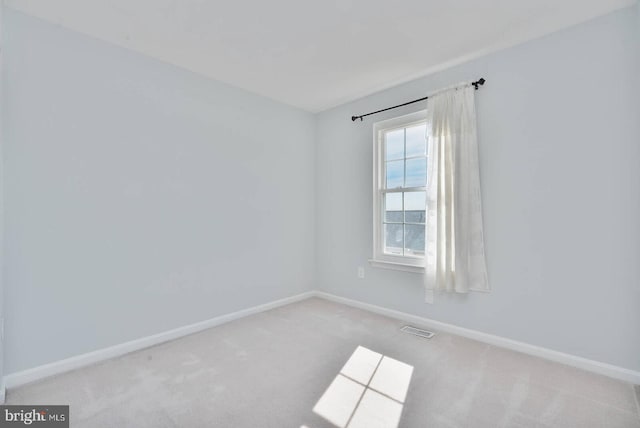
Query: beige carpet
[(272, 369)]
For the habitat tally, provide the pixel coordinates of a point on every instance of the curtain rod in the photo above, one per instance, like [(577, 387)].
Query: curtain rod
[(475, 84)]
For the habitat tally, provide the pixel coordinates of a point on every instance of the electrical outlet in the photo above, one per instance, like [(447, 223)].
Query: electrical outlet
[(360, 272)]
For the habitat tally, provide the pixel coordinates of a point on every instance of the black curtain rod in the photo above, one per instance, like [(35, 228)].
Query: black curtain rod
[(475, 84)]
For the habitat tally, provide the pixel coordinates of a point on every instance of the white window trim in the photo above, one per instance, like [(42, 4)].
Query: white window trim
[(380, 259)]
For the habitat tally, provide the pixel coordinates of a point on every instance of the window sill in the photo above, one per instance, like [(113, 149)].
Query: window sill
[(384, 264)]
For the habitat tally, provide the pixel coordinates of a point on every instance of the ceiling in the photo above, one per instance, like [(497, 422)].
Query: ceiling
[(315, 54)]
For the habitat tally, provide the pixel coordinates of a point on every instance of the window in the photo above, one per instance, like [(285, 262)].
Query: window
[(400, 179)]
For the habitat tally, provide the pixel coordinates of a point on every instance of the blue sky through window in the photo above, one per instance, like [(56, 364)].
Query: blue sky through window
[(416, 172), (416, 140), (394, 145), (401, 144)]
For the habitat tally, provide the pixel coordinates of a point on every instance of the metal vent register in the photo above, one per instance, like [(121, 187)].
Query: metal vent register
[(418, 332)]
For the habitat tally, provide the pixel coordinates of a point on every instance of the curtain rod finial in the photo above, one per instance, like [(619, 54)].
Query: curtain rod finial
[(353, 118), (479, 82)]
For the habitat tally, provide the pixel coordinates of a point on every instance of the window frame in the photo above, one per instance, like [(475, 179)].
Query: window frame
[(409, 263)]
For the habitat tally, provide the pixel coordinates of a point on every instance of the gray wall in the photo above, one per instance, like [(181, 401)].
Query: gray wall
[(559, 131), (141, 197)]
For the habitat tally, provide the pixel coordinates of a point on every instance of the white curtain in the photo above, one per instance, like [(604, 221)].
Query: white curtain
[(454, 253)]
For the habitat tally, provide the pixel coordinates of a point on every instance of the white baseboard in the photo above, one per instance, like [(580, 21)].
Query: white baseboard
[(31, 375), (559, 357), (37, 373)]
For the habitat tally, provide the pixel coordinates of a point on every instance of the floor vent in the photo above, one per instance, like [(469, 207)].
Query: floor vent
[(418, 332)]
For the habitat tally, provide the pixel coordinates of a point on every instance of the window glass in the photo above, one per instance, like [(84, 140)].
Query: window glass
[(393, 238), (414, 207), (413, 239), (416, 172), (417, 140), (393, 208), (395, 174), (394, 144)]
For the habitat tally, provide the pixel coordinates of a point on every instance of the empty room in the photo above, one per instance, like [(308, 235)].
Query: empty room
[(320, 214)]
